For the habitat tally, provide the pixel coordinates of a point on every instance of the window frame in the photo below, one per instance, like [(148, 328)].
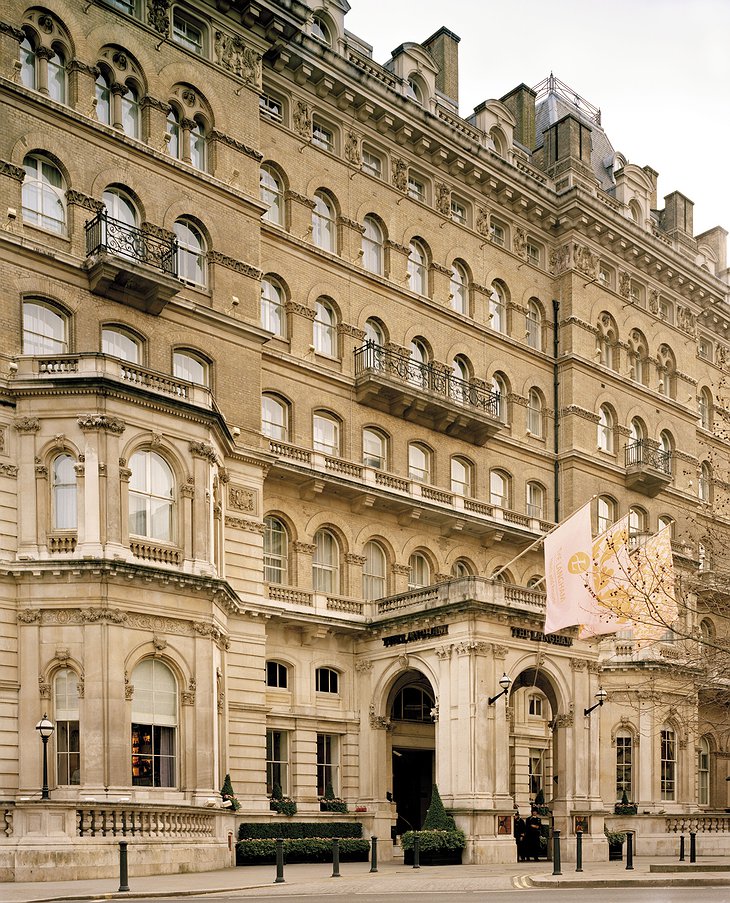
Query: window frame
[(179, 354), (322, 421), (64, 495), (153, 498), (275, 556), (271, 192), (374, 585), (277, 675), (327, 680), (624, 742), (273, 307), (326, 557), (418, 267), (328, 765), (324, 329), (324, 223), (38, 215), (368, 457), (464, 486), (419, 571), (416, 472), (164, 729), (668, 763), (197, 24), (277, 760), (192, 258), (61, 345), (279, 432)]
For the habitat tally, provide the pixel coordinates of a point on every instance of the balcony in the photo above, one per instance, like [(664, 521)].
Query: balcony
[(648, 469), (128, 265), (423, 394)]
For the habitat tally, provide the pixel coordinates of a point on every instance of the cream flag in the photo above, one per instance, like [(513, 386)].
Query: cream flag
[(654, 604), (568, 561), (610, 582)]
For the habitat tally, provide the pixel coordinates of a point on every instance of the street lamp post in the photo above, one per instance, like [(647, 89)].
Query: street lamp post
[(601, 696), (504, 682), (45, 728)]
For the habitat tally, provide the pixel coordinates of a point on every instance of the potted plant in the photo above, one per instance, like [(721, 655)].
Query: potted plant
[(331, 803), (615, 844), (440, 841), (625, 807), (284, 805), (228, 796)]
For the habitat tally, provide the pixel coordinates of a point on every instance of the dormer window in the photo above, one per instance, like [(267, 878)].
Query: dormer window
[(414, 91), (321, 30)]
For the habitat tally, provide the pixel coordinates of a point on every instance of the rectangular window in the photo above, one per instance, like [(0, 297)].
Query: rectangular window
[(666, 311), (323, 137), (705, 349), (668, 764), (624, 767), (535, 706), (458, 211), (277, 761), (187, 32), (276, 675), (68, 755), (271, 107), (533, 254), (327, 680), (537, 771), (605, 275), (497, 234), (371, 163), (153, 755), (416, 189), (327, 767)]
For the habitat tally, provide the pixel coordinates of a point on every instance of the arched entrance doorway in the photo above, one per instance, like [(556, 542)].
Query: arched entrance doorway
[(534, 771), (412, 747)]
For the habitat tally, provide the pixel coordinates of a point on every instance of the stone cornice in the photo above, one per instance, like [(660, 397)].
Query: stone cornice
[(11, 170), (231, 142), (238, 266), (73, 196)]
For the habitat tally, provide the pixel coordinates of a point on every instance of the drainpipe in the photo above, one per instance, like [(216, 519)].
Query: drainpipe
[(556, 416)]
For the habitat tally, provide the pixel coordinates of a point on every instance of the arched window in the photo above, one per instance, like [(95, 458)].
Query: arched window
[(419, 571), (121, 344), (277, 675), (174, 130), (668, 762), (638, 529), (57, 76), (63, 493), (704, 486), (703, 772), (462, 476), (624, 764), (417, 268), (372, 246), (499, 485), (273, 311), (499, 392), (45, 330), (131, 112), (275, 418), (276, 551), (326, 433), (535, 500), (413, 703), (535, 412), (323, 223), (665, 451), (459, 385), (374, 449), (151, 497), (28, 64), (198, 145), (327, 680), (497, 308), (419, 462), (458, 291), (191, 251), (192, 367), (413, 89), (44, 194), (534, 325), (374, 332), (418, 371), (120, 207), (664, 521), (271, 192), (103, 98), (326, 563), (66, 712), (637, 433), (605, 513), (607, 350), (638, 357), (605, 429), (321, 30), (704, 403), (460, 569), (667, 371), (374, 584), (154, 724), (325, 328)]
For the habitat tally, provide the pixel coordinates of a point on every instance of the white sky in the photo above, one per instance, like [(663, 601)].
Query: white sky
[(658, 69)]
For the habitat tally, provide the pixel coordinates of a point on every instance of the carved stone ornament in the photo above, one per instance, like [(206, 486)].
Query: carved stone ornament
[(443, 652), (351, 558), (443, 198), (8, 470), (128, 687), (624, 284), (27, 424), (578, 664), (499, 651), (203, 450), (519, 242), (7, 28), (686, 321), (44, 689), (238, 266), (158, 16), (79, 199), (400, 174), (584, 260), (2, 440), (435, 713), (594, 668), (62, 655), (241, 523), (232, 54), (379, 722), (301, 310), (229, 141), (559, 259), (304, 548), (159, 643), (400, 570), (302, 118), (565, 720), (241, 499), (363, 665), (352, 148), (187, 697), (29, 616), (654, 300), (482, 221), (470, 647), (90, 422)]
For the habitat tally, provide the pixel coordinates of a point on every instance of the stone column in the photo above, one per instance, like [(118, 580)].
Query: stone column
[(204, 456), (499, 725), (27, 427), (93, 425), (117, 92)]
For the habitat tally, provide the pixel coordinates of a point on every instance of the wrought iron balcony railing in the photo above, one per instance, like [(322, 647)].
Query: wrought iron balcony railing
[(104, 233), (371, 357), (642, 454)]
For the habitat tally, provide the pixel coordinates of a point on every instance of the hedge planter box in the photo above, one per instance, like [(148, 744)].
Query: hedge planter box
[(436, 846), (445, 857), (262, 851), (615, 852)]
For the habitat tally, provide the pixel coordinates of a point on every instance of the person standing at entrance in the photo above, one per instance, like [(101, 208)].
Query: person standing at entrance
[(532, 835), (519, 832)]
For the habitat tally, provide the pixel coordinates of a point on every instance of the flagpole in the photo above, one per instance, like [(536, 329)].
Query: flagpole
[(540, 539)]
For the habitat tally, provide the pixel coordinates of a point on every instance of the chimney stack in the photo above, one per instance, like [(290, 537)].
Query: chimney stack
[(443, 46)]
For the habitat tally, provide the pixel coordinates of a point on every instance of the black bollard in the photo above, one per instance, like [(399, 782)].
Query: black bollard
[(373, 854), (123, 874), (681, 848), (556, 853), (692, 846), (279, 861), (416, 852), (336, 858), (630, 850), (579, 851)]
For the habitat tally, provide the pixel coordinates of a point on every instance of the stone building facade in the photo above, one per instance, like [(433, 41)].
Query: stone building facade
[(295, 361)]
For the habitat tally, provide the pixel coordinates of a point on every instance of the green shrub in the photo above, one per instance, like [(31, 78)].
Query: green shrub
[(228, 794), (304, 849), (298, 829), (435, 841), (333, 806), (284, 806), (615, 838), (437, 818)]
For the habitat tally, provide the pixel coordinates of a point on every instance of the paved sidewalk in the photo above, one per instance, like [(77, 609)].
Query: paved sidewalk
[(316, 880)]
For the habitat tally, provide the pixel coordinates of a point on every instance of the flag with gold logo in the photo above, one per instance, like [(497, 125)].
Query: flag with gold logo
[(568, 563), (654, 604), (611, 574)]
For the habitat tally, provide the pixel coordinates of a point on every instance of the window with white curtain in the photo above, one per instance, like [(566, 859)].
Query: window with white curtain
[(372, 246), (326, 563), (499, 489), (67, 735), (325, 329), (191, 367), (273, 310), (325, 433), (275, 418), (154, 725), (534, 325), (44, 194), (703, 772), (461, 476), (534, 413), (417, 268), (458, 290), (374, 449), (323, 223), (191, 253), (605, 429), (45, 330), (151, 496), (419, 574), (374, 584), (121, 344), (271, 192), (419, 463), (276, 551), (63, 489)]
